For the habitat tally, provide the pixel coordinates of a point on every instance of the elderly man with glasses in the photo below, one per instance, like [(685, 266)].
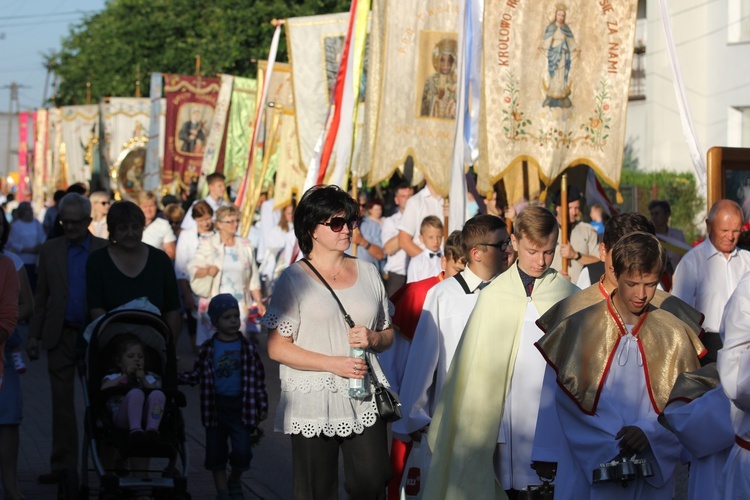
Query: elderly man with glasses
[(59, 315)]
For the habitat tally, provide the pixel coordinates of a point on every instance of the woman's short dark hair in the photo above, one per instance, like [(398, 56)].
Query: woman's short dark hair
[(318, 204), (124, 212)]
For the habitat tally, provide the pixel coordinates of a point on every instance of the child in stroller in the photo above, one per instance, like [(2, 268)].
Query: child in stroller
[(132, 410)]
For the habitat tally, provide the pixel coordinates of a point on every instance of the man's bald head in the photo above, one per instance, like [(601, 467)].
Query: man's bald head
[(723, 225)]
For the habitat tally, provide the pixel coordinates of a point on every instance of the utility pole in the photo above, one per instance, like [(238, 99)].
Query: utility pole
[(13, 99)]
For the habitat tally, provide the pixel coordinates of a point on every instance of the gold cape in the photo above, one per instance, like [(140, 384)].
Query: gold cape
[(596, 293), (580, 349), (464, 429)]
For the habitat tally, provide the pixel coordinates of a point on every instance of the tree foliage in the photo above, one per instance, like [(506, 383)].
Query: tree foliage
[(108, 48), (679, 189)]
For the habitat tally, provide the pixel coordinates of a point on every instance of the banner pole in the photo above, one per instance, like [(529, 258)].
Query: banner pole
[(564, 217)]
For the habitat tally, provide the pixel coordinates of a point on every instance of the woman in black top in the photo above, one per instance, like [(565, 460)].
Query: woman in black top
[(129, 269)]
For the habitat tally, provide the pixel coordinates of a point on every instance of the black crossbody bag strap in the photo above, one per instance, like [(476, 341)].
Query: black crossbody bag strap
[(347, 318)]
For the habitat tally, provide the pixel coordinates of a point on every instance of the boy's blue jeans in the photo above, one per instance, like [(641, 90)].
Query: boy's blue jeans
[(230, 428)]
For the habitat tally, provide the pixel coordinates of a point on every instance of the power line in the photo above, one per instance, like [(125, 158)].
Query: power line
[(48, 14), (20, 25)]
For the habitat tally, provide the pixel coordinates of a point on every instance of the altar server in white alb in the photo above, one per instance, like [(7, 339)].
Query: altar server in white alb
[(698, 414), (446, 310), (734, 371), (616, 363), (490, 399)]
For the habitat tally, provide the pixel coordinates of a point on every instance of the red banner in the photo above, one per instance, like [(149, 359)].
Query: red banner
[(23, 154), (190, 109)]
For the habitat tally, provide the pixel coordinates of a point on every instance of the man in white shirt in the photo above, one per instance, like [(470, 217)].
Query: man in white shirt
[(395, 265), (425, 203), (217, 190), (583, 242), (708, 274), (446, 310)]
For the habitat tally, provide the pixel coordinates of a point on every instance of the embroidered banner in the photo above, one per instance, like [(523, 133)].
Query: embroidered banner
[(314, 46), (280, 99), (156, 127), (213, 158), (125, 119), (80, 137), (23, 154), (556, 79), (190, 108), (240, 130), (291, 173), (39, 187), (416, 95)]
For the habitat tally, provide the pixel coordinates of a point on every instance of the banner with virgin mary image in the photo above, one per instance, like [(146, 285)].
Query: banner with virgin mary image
[(555, 85), (190, 108), (416, 94)]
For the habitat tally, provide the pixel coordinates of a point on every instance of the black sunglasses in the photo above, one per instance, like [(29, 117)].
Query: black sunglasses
[(502, 246), (337, 224)]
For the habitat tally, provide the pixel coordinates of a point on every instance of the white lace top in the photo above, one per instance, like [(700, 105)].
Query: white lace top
[(302, 308)]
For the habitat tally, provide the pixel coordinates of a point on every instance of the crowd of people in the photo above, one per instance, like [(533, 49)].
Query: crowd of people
[(522, 356)]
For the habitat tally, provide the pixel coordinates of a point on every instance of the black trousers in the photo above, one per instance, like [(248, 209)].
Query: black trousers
[(367, 467)]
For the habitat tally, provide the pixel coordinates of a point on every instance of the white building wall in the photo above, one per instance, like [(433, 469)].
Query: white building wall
[(716, 78)]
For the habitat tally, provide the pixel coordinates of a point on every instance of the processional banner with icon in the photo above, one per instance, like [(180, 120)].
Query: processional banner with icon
[(416, 95), (555, 86), (190, 107), (125, 121)]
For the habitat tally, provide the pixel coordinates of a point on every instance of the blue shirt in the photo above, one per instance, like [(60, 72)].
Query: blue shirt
[(227, 367), (75, 313), (370, 231)]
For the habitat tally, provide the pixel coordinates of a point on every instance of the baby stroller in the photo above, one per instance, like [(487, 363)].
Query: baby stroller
[(102, 436)]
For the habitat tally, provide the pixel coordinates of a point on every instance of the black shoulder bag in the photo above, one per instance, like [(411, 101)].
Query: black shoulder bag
[(386, 400)]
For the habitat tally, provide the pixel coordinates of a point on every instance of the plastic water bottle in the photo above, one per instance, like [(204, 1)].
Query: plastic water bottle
[(357, 388)]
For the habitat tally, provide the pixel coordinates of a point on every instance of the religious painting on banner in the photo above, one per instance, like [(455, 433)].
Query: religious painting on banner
[(190, 108), (555, 85), (80, 143), (414, 106), (315, 44)]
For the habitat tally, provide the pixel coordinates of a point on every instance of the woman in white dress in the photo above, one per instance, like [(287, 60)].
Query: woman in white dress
[(282, 246), (310, 338), (187, 245), (225, 263), (157, 233)]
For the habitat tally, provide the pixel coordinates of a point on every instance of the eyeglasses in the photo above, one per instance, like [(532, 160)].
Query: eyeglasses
[(502, 246), (74, 222), (337, 224), (229, 221)]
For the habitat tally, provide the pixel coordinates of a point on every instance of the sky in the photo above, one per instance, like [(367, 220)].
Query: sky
[(29, 28)]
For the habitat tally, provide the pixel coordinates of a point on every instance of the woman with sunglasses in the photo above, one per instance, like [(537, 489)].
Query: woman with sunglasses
[(225, 263), (310, 338), (99, 210)]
